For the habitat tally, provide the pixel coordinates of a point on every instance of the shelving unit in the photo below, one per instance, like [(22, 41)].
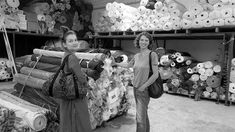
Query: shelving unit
[(226, 35)]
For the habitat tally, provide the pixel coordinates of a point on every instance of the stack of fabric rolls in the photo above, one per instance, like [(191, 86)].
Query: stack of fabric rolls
[(166, 15), (5, 69), (185, 75), (232, 81), (107, 97)]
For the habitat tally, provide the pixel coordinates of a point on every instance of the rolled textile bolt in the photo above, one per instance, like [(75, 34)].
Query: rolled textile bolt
[(165, 87), (172, 64), (167, 26), (233, 62), (202, 16), (212, 2), (232, 97), (232, 87), (159, 15), (143, 2), (213, 81), (186, 24), (215, 14), (189, 15), (189, 71), (226, 12), (195, 86), (219, 22), (229, 21), (197, 23), (203, 77), (217, 68), (196, 8), (177, 54), (164, 10), (214, 95), (141, 9), (158, 5), (195, 69), (195, 77), (209, 89), (173, 56), (200, 65), (180, 59), (174, 19), (201, 70), (208, 22), (176, 25), (209, 72), (218, 6), (206, 94), (208, 64)]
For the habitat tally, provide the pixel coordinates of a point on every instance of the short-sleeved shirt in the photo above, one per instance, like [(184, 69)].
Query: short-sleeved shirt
[(141, 67)]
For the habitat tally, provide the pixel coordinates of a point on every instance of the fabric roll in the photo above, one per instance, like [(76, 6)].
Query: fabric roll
[(213, 81), (232, 87), (36, 73), (176, 25), (186, 24), (226, 12), (158, 5), (206, 94), (31, 81), (164, 10), (189, 15), (208, 64), (174, 5), (88, 56), (158, 27), (196, 8), (195, 77), (42, 66), (209, 89), (202, 16), (31, 114), (229, 21), (200, 65), (232, 76), (141, 9), (197, 23), (208, 7), (174, 19), (159, 15), (209, 72), (219, 22), (47, 59), (233, 62), (201, 71), (167, 26), (215, 14), (217, 68), (176, 12), (203, 77), (208, 22), (218, 6)]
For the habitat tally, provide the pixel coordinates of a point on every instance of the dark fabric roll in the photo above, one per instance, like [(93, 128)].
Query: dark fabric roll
[(91, 73), (42, 66), (92, 64), (47, 59)]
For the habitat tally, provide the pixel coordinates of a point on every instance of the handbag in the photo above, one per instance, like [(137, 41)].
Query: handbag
[(155, 90), (64, 85)]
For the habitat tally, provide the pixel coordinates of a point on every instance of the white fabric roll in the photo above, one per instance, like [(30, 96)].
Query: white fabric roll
[(190, 71), (80, 55), (163, 20), (219, 22), (209, 89), (197, 23), (202, 16), (208, 22), (208, 64), (186, 24), (229, 21), (158, 5), (29, 113), (159, 15), (108, 6), (167, 26), (31, 81), (195, 77), (141, 9), (203, 77), (196, 8), (206, 94), (159, 26), (232, 76), (143, 2), (189, 15), (164, 10), (226, 13), (176, 12), (174, 19), (232, 87), (176, 25), (200, 65), (215, 14), (209, 72), (217, 68), (155, 22), (218, 6), (201, 71)]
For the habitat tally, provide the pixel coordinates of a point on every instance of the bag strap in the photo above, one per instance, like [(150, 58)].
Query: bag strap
[(150, 64), (56, 75)]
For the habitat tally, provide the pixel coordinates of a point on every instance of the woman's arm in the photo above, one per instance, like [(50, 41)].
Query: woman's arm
[(154, 59)]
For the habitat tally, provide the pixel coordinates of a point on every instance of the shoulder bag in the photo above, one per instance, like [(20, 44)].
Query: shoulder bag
[(63, 85), (155, 90)]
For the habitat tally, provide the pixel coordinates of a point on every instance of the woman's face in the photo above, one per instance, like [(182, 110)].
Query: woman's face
[(71, 42), (143, 42)]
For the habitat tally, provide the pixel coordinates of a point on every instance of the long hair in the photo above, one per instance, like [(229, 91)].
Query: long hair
[(64, 37), (146, 34)]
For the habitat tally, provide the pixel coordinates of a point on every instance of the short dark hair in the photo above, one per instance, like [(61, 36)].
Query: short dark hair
[(146, 34)]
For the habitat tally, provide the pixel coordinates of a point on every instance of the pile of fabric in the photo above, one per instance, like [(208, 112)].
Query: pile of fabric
[(5, 69), (166, 15), (232, 81), (108, 97), (185, 75)]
